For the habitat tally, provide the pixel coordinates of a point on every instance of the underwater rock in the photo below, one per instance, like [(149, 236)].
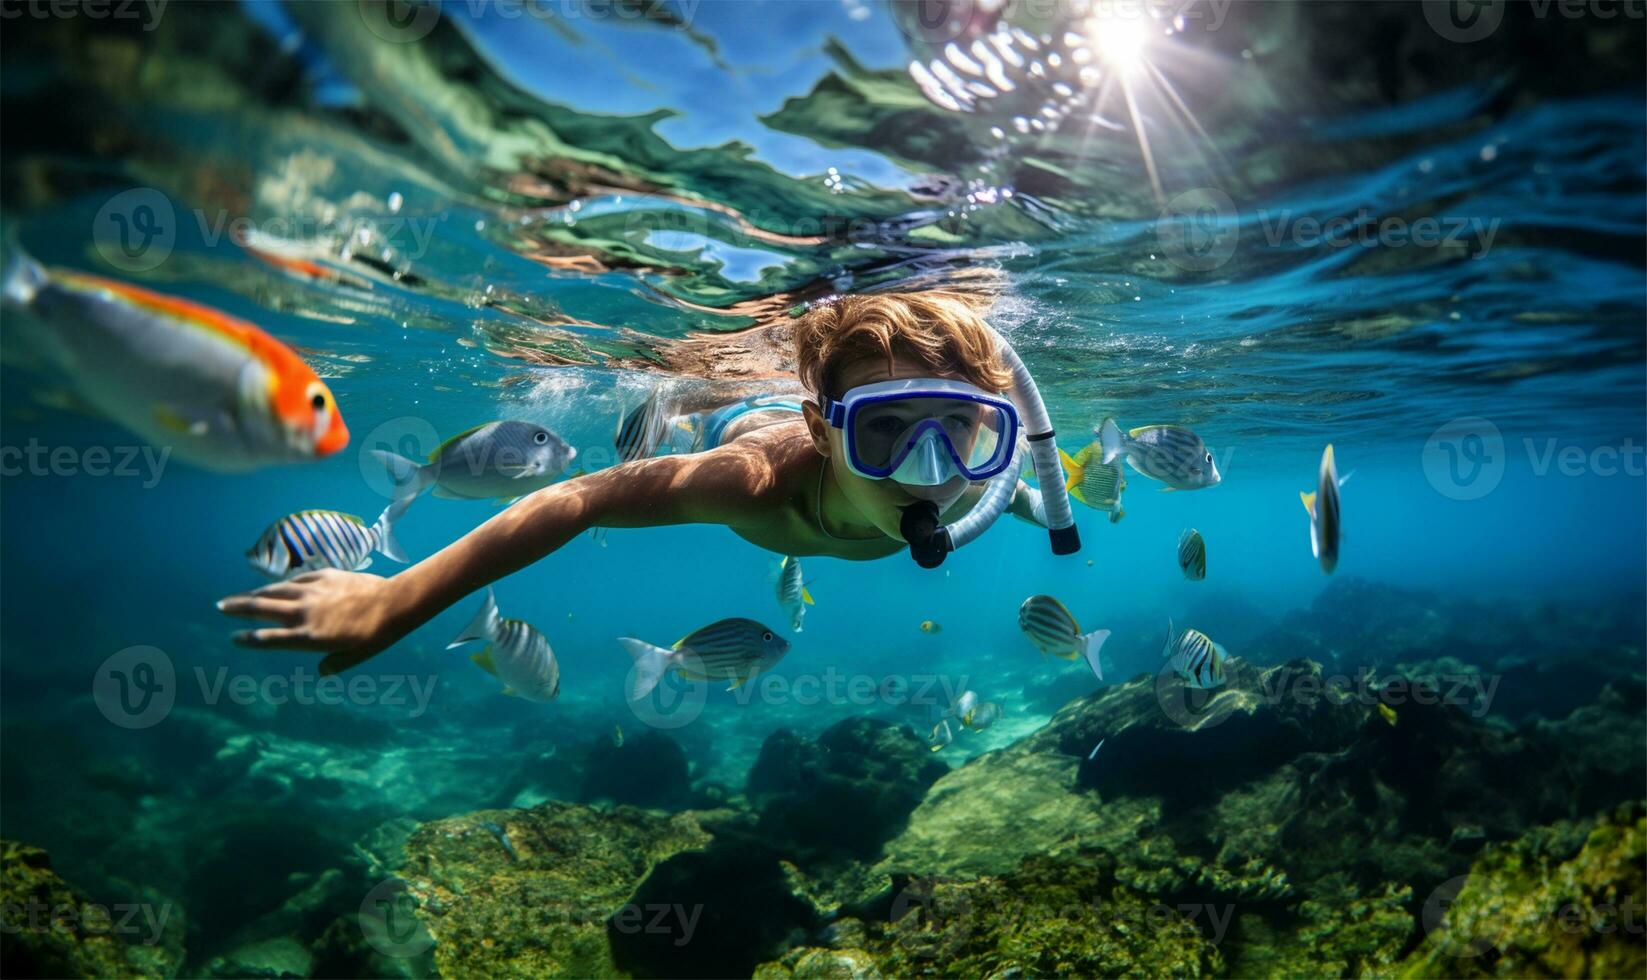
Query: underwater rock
[(715, 912), (1063, 916), (811, 963), (1319, 811), (55, 931), (279, 957), (845, 794), (531, 892), (1566, 900), (648, 769)]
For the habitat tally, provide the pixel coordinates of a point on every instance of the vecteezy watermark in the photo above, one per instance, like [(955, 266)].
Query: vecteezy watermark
[(148, 11), (1468, 21), (140, 922), (1198, 709), (408, 21), (678, 699), (125, 462), (138, 687), (1364, 229), (1465, 459), (390, 924), (1200, 229), (137, 229), (1452, 934), (1485, 919)]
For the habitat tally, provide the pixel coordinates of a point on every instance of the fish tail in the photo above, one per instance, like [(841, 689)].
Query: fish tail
[(1308, 497), (650, 664), (23, 277), (1076, 472), (384, 531), (1091, 643), (410, 477), (1113, 441), (485, 624)]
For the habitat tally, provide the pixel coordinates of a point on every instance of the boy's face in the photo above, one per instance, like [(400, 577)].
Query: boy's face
[(881, 502)]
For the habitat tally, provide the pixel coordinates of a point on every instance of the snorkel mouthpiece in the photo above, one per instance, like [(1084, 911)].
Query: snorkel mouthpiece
[(927, 538)]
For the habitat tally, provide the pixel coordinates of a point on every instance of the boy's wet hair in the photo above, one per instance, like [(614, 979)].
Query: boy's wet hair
[(941, 329)]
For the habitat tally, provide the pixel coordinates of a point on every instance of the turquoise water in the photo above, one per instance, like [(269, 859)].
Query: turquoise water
[(535, 191)]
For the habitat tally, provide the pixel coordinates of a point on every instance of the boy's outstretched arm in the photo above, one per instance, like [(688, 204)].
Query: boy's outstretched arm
[(354, 615)]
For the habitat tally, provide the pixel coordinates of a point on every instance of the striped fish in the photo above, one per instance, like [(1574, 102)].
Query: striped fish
[(313, 539), (218, 391), (792, 593), (642, 430), (731, 649), (1192, 555), (1194, 657), (1323, 507), (1171, 454), (1049, 625), (1097, 484), (515, 653)]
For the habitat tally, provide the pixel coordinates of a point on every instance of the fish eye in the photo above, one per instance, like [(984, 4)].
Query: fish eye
[(766, 637), (1209, 457), (541, 438), (317, 396)]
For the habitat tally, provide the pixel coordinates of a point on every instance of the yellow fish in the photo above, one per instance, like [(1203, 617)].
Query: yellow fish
[(928, 626)]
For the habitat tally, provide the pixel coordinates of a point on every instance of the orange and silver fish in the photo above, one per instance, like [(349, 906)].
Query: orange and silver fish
[(218, 391)]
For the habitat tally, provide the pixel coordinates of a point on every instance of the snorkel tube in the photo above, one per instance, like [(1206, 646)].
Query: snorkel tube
[(930, 542)]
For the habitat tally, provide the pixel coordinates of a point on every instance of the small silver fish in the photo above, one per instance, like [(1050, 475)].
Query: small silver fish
[(1192, 555), (731, 649), (494, 461), (792, 593), (1050, 626), (314, 539), (1171, 454), (1094, 753), (1325, 517), (1195, 658), (940, 736), (516, 653)]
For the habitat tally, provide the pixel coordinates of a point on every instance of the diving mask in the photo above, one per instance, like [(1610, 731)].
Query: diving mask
[(924, 432)]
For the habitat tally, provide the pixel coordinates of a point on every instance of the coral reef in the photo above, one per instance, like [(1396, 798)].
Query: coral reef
[(1376, 815), (51, 929), (1565, 900)]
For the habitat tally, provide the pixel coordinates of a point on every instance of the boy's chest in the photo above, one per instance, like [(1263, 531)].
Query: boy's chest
[(790, 532)]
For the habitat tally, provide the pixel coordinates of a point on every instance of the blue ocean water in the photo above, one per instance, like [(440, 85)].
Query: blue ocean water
[(1487, 391)]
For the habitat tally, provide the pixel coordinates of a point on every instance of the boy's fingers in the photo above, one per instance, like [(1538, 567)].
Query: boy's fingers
[(258, 607), (273, 637), (279, 590), (339, 662)]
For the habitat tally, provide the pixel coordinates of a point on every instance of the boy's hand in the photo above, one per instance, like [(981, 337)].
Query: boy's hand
[(346, 614)]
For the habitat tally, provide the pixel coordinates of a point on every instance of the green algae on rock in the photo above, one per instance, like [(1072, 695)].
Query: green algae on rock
[(52, 930), (1556, 902), (530, 892)]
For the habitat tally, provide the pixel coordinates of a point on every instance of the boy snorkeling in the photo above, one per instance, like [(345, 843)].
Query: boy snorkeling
[(907, 413)]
